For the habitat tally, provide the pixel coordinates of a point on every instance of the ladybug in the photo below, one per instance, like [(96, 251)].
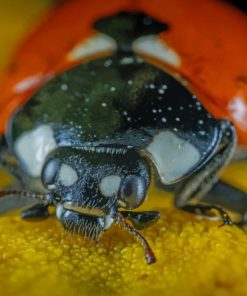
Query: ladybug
[(90, 128)]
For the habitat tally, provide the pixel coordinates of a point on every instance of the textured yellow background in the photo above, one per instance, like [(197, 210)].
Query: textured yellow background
[(195, 257)]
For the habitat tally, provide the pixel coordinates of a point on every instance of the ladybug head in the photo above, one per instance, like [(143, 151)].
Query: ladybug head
[(88, 185), (91, 184)]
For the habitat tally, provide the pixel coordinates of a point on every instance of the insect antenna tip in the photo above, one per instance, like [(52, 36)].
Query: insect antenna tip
[(149, 254)]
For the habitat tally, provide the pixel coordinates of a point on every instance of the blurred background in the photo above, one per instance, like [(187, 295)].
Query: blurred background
[(17, 18)]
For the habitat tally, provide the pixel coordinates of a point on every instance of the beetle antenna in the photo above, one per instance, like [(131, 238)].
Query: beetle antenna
[(149, 254), (45, 197)]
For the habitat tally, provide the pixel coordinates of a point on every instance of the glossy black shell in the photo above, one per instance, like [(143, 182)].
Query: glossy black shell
[(119, 100)]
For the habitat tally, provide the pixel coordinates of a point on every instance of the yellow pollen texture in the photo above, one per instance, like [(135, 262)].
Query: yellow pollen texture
[(194, 257)]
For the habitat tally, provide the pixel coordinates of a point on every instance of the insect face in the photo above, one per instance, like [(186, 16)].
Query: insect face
[(92, 183)]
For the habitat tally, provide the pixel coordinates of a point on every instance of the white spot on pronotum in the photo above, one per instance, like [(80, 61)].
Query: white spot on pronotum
[(173, 157), (33, 146), (109, 185), (67, 175), (96, 44), (153, 46)]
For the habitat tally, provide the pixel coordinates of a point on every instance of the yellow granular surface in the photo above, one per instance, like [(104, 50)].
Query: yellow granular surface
[(195, 257)]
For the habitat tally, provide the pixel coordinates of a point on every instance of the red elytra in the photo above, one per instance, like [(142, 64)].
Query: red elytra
[(208, 36)]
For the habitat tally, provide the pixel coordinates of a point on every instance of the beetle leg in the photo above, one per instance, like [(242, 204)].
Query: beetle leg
[(229, 197), (141, 220), (36, 212), (201, 182), (223, 195), (208, 211)]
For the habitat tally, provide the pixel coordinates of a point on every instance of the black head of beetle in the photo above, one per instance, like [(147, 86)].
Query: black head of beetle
[(91, 184)]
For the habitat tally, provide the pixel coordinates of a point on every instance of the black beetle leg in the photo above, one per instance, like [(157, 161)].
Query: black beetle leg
[(208, 211), (201, 182), (227, 196), (141, 220), (37, 212)]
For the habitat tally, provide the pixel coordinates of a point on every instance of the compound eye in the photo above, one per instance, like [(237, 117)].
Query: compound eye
[(50, 172), (133, 191)]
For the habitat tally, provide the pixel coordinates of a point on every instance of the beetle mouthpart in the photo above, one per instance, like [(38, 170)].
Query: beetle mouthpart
[(47, 198), (96, 212), (149, 254), (121, 204)]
